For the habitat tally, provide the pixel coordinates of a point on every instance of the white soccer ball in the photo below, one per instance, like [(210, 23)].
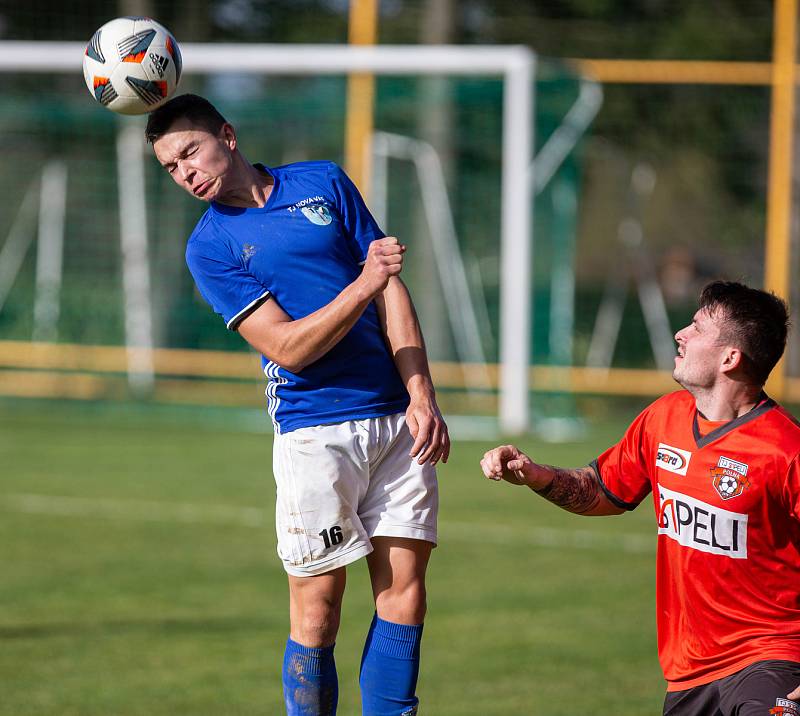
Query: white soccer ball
[(728, 485), (132, 65)]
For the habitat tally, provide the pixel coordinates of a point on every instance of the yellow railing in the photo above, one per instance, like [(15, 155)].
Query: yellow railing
[(675, 72), (232, 378)]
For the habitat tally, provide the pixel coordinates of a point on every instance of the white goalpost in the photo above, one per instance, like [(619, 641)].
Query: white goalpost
[(514, 64)]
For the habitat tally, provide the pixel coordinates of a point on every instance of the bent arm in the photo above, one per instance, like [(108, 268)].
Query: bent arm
[(576, 490), (294, 344), (404, 337)]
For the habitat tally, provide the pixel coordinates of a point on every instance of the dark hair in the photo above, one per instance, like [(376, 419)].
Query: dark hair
[(189, 106), (754, 321)]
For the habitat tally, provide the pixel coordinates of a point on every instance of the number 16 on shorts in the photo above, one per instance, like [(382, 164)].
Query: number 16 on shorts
[(332, 536)]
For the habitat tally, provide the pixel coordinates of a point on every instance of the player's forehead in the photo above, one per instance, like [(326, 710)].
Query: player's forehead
[(709, 317), (182, 134)]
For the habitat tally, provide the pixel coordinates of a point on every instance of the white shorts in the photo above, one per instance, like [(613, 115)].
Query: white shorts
[(340, 485)]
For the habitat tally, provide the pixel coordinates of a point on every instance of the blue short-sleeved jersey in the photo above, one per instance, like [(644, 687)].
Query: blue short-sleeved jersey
[(302, 248)]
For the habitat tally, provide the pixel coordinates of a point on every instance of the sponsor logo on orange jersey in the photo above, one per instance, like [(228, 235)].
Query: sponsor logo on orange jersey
[(698, 525), (672, 459)]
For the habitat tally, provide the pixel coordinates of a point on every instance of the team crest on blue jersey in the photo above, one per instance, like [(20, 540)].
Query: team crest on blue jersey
[(317, 214)]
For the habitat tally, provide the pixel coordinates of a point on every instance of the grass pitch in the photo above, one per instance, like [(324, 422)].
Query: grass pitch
[(139, 576)]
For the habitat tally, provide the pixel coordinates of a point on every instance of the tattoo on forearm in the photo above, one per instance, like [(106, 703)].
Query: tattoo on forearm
[(575, 490)]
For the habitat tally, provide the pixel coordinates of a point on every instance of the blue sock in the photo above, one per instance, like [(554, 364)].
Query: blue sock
[(389, 669), (310, 685)]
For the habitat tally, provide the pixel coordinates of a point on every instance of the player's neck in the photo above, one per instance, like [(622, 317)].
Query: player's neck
[(252, 188), (727, 402)]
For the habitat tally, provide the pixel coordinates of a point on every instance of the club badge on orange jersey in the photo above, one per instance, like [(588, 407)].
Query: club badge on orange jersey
[(730, 478), (784, 707)]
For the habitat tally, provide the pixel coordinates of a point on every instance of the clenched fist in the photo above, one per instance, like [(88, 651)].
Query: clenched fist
[(508, 463), (384, 260)]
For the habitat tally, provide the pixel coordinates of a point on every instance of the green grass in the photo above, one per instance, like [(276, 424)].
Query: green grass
[(132, 605)]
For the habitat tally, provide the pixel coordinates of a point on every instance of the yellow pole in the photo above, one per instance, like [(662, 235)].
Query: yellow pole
[(363, 30), (779, 191)]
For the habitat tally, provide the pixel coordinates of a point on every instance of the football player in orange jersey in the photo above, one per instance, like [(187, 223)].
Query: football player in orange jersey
[(722, 462)]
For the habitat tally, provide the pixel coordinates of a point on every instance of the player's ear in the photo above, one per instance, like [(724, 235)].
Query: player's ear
[(228, 135), (732, 359)]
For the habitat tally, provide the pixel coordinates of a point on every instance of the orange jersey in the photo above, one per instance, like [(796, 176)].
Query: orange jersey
[(727, 508)]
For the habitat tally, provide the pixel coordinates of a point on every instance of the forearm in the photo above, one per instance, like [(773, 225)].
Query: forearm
[(575, 490), (311, 337), (404, 337), (294, 344)]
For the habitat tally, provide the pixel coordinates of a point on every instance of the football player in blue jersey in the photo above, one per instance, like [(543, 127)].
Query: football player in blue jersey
[(292, 259)]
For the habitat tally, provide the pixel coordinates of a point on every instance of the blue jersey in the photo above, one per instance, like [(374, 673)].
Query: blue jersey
[(301, 249)]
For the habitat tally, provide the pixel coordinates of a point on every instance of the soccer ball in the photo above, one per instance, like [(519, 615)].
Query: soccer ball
[(727, 486), (132, 65)]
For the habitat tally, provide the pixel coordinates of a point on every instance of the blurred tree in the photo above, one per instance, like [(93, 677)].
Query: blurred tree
[(652, 29), (675, 29)]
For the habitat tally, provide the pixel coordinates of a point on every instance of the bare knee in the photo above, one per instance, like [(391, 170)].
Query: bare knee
[(397, 569), (315, 605), (316, 624), (403, 604)]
